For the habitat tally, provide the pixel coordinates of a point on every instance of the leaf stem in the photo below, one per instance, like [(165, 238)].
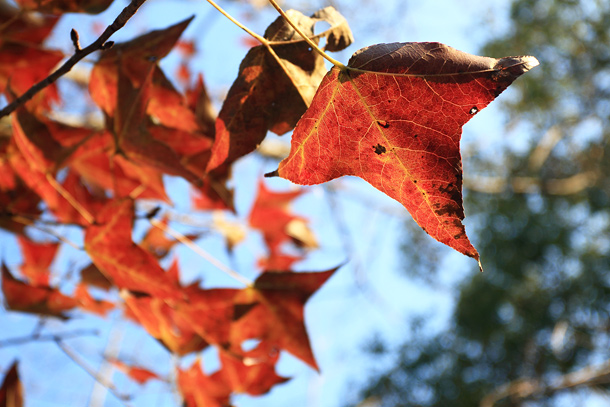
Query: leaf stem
[(263, 40), (306, 38), (75, 204), (207, 256)]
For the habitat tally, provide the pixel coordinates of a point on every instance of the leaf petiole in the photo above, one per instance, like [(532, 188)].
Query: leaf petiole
[(308, 40)]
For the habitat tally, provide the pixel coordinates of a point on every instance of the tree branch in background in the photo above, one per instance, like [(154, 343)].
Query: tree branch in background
[(50, 337), (526, 388), (527, 185), (79, 54)]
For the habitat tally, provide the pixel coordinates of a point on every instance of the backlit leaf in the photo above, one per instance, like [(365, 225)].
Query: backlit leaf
[(276, 316), (271, 93), (395, 119)]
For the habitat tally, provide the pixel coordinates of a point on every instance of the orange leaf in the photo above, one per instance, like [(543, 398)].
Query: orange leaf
[(270, 215), (156, 242), (37, 257), (209, 312), (20, 296), (88, 303), (108, 243), (278, 299), (133, 59), (395, 119), (254, 373), (199, 389), (23, 61), (164, 324), (138, 374)]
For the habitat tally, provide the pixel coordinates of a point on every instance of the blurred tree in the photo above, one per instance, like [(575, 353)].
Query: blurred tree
[(533, 329)]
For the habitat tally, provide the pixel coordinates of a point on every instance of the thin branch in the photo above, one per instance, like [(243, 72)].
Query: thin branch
[(36, 337), (28, 222), (526, 388), (207, 256), (68, 196), (237, 23), (83, 365), (99, 44), (527, 185)]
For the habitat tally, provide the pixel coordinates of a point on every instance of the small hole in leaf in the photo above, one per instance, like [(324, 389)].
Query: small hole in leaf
[(379, 149), (415, 181), (415, 136), (309, 49), (473, 110)]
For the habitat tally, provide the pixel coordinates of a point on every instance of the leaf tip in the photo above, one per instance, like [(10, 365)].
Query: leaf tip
[(530, 62)]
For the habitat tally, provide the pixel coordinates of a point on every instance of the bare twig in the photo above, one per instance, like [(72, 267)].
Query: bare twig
[(20, 340), (99, 44), (527, 185), (68, 196), (83, 365), (525, 388), (28, 222), (207, 256)]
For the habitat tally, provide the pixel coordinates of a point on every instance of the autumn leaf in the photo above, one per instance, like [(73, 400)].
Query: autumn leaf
[(271, 92), (37, 257), (132, 132), (92, 276), (138, 374), (271, 215), (133, 59), (108, 242), (92, 199), (23, 60), (156, 242), (253, 372), (199, 389), (99, 166), (90, 304), (276, 316), (209, 312), (394, 118), (11, 391), (23, 297), (163, 323)]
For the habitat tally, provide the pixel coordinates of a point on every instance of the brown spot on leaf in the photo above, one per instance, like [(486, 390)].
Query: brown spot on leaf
[(383, 123)]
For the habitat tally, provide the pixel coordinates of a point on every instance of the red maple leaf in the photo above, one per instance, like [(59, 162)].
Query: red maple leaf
[(20, 296), (199, 389), (394, 117), (270, 214), (88, 303), (136, 373), (108, 242), (275, 311), (253, 372), (37, 257)]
